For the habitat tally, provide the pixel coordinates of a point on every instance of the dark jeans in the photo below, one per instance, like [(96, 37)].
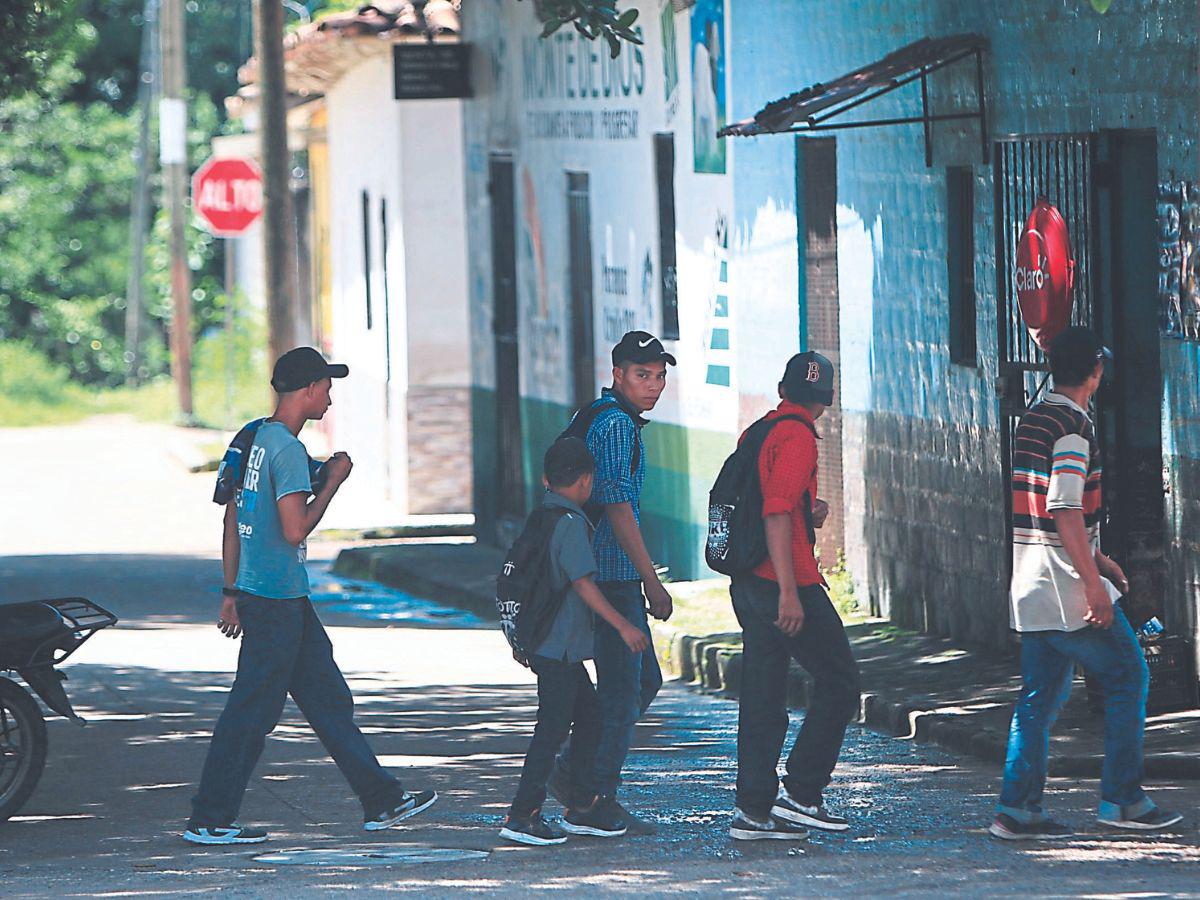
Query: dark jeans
[(626, 683), (566, 705), (822, 649), (1048, 660), (285, 651)]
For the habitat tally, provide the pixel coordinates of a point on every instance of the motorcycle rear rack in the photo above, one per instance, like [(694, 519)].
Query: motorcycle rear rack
[(81, 619)]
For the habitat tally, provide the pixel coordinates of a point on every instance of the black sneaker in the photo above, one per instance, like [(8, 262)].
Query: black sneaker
[(534, 830), (811, 816), (1155, 820), (601, 819), (745, 828), (224, 834), (635, 824), (409, 806), (1009, 829), (559, 785)]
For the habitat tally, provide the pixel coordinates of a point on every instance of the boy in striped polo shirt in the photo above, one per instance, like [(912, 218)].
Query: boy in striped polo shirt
[(1061, 601)]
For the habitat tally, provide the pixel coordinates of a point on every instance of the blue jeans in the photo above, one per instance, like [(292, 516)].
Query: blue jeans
[(1048, 659), (626, 683), (285, 651)]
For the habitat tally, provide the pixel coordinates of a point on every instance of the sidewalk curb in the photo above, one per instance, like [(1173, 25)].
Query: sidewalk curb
[(361, 563), (712, 664)]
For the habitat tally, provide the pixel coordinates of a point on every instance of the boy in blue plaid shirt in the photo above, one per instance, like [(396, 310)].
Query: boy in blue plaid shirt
[(626, 682)]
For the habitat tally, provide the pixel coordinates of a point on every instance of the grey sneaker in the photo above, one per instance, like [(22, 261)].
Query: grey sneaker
[(600, 819), (635, 824), (534, 831), (1007, 828), (1155, 820), (409, 806), (810, 816), (216, 835), (746, 828)]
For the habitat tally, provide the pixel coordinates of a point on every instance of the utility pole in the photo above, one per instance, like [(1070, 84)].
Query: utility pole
[(140, 207), (279, 258), (172, 119)]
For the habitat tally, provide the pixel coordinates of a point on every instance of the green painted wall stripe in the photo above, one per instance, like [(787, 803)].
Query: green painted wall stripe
[(681, 464)]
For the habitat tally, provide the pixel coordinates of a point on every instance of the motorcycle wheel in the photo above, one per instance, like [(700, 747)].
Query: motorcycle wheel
[(22, 747)]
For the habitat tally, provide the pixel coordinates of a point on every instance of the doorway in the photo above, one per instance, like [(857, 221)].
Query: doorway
[(579, 248), (1104, 184), (510, 475)]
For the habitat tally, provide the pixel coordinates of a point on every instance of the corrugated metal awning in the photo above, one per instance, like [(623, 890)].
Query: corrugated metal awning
[(812, 108)]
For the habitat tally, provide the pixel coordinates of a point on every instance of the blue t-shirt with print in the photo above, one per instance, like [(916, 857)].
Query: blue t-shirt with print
[(277, 465)]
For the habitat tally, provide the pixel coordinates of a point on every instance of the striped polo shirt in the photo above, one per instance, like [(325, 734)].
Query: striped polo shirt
[(1056, 465)]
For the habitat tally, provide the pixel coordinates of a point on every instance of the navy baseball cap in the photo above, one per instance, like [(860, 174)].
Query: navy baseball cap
[(640, 347), (808, 378), (1074, 352), (299, 368)]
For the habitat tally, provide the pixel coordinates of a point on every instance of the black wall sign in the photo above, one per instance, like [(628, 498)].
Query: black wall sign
[(431, 71)]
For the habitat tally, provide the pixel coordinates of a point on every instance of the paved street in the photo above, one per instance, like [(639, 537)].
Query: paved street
[(443, 703)]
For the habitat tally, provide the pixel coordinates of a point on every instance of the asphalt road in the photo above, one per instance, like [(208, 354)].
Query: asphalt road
[(444, 705)]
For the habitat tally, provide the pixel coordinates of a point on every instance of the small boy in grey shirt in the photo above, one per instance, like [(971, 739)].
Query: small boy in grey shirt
[(567, 702)]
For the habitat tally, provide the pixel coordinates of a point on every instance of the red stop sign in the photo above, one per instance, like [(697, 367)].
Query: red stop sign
[(227, 195)]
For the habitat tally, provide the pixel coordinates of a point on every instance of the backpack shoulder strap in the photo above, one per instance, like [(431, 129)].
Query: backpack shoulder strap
[(585, 416), (233, 463)]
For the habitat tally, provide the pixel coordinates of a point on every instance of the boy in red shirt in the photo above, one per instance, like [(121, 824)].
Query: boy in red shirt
[(785, 614)]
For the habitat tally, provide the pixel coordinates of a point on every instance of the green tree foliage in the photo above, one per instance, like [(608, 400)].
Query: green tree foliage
[(66, 177), (218, 40), (594, 19), (31, 33)]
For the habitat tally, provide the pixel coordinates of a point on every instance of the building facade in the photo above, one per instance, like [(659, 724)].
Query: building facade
[(851, 242), (381, 251)]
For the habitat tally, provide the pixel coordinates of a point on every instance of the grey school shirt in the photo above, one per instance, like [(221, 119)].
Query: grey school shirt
[(277, 465), (571, 558)]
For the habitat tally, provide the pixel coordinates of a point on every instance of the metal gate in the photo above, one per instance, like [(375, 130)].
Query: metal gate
[(1061, 168)]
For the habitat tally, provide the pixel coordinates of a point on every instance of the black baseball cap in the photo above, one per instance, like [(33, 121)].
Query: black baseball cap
[(1073, 355), (640, 347), (300, 367), (808, 378)]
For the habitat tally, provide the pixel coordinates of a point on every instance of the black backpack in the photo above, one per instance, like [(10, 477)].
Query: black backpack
[(580, 425), (737, 540), (526, 596)]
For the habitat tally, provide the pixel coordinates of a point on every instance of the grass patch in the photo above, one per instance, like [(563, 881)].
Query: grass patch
[(35, 391)]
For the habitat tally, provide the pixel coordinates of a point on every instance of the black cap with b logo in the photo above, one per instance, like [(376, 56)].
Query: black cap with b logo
[(808, 378)]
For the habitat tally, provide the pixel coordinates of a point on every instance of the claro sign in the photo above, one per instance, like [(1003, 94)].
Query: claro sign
[(1045, 275)]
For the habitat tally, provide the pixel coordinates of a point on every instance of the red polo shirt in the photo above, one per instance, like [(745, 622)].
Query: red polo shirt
[(787, 466)]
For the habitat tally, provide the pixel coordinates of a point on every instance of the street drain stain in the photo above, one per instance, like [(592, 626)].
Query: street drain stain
[(370, 856)]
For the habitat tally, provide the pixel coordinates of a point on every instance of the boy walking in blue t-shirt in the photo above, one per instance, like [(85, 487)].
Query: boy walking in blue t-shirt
[(566, 697), (284, 646)]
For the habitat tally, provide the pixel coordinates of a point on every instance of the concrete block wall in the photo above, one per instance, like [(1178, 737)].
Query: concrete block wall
[(925, 509), (439, 450)]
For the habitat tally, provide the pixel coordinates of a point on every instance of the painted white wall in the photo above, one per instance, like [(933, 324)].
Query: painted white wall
[(561, 105), (408, 155), (432, 232)]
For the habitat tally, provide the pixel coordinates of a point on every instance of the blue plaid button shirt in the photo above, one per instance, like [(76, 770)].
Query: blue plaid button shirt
[(611, 438)]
